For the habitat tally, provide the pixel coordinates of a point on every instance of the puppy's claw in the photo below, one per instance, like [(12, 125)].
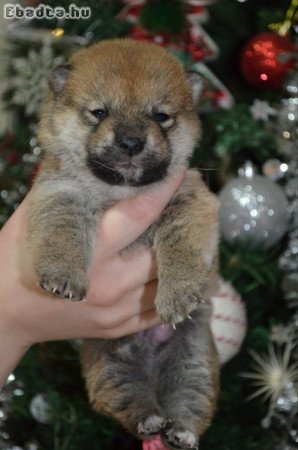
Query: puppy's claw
[(43, 285), (174, 326), (189, 317)]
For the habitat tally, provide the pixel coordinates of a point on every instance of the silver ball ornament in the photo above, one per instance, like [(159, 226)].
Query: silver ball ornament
[(253, 208)]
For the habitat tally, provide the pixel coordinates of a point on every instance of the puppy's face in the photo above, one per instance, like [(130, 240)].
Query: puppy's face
[(124, 111)]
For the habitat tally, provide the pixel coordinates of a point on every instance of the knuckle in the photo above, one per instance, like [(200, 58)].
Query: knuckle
[(102, 296)]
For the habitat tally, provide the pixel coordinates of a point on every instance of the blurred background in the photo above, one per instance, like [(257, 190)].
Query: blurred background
[(246, 52)]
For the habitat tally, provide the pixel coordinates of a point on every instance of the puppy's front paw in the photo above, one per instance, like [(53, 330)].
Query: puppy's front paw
[(176, 302), (65, 285)]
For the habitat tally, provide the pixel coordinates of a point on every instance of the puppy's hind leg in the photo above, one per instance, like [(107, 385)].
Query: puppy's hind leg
[(120, 384), (188, 382)]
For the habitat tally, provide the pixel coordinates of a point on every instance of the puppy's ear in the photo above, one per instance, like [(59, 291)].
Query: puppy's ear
[(197, 85), (59, 76)]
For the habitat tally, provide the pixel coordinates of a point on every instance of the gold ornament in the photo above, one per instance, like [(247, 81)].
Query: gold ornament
[(58, 32), (283, 28)]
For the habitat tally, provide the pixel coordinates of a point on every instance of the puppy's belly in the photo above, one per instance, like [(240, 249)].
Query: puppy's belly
[(158, 334)]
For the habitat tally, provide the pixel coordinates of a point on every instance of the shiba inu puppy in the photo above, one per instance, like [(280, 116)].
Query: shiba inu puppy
[(120, 118)]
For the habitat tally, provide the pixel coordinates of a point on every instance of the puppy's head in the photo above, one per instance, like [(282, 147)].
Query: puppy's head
[(123, 110)]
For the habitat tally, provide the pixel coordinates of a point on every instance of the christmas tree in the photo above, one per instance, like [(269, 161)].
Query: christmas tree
[(245, 52)]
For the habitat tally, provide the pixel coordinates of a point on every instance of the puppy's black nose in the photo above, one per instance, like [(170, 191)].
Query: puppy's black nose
[(131, 145)]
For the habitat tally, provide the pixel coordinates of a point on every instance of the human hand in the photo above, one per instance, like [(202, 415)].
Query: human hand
[(120, 299)]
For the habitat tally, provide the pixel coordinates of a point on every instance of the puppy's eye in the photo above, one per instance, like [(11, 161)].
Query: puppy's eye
[(161, 117), (99, 113)]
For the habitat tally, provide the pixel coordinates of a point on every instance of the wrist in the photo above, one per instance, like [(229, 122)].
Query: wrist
[(12, 349)]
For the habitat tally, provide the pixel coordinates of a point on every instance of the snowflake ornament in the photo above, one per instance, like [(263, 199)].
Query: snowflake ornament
[(272, 373), (262, 110), (275, 378), (30, 79)]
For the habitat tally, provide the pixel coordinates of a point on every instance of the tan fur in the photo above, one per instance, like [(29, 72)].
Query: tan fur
[(88, 166), (102, 76)]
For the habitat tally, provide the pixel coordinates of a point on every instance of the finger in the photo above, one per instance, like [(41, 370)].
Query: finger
[(134, 303), (89, 321), (120, 275), (66, 320), (125, 222), (134, 325)]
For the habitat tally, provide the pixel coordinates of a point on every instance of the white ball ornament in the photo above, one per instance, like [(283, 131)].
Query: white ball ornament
[(228, 323)]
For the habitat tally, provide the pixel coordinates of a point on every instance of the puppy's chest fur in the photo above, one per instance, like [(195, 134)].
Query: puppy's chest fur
[(190, 200)]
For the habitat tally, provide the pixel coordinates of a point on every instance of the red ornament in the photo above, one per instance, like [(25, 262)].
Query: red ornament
[(266, 59), (13, 157), (196, 52), (139, 34), (198, 10)]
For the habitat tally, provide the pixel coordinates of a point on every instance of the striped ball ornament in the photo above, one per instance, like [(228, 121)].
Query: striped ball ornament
[(228, 322)]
